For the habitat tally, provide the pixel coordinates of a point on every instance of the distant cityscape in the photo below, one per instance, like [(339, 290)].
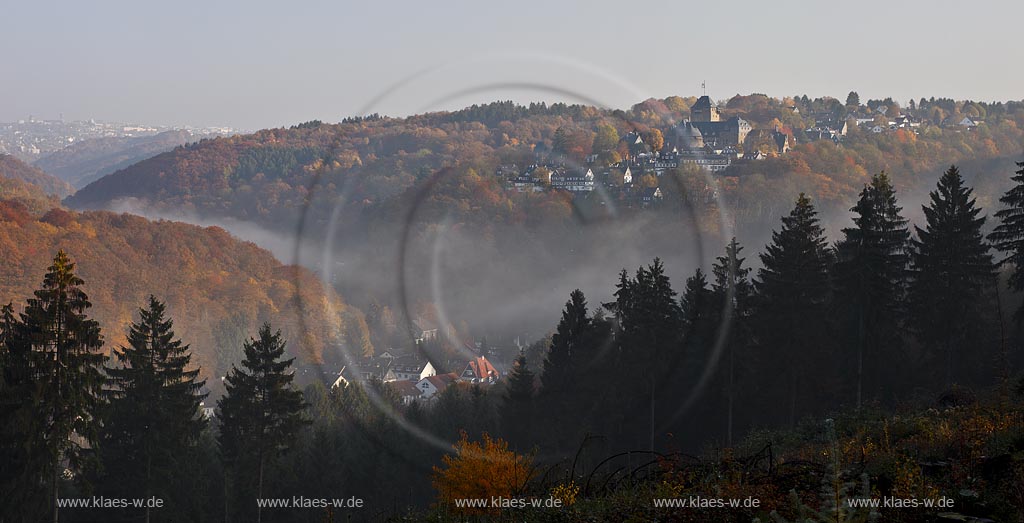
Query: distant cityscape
[(32, 138)]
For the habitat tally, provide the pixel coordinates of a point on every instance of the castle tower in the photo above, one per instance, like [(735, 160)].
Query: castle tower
[(704, 111)]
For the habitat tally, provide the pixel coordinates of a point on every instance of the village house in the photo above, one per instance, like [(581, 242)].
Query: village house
[(480, 370), (424, 330), (430, 386), (572, 180), (650, 195), (409, 368), (407, 391)]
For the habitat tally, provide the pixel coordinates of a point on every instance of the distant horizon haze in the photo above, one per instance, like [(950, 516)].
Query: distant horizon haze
[(264, 64)]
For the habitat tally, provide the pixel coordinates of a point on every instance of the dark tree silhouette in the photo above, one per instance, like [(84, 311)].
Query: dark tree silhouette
[(154, 419), (794, 292), (951, 270), (261, 413), (870, 280)]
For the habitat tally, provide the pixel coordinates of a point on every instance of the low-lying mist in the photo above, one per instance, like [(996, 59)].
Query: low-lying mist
[(506, 280)]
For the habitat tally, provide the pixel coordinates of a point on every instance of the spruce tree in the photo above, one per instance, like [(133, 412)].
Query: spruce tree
[(733, 293), (59, 348), (951, 270), (560, 392), (649, 342), (568, 340), (261, 413), (23, 471), (794, 292), (517, 409), (695, 308), (1008, 236), (154, 420), (871, 281)]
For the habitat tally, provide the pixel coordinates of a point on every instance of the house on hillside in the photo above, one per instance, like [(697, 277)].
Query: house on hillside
[(409, 368), (650, 195), (424, 330), (431, 386), (480, 370), (407, 391), (572, 180)]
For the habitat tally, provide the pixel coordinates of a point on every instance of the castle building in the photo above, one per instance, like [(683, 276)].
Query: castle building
[(714, 132)]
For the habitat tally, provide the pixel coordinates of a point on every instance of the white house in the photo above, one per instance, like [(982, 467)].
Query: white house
[(409, 368), (432, 385)]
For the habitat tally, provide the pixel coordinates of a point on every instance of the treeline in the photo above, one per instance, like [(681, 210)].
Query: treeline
[(77, 424)]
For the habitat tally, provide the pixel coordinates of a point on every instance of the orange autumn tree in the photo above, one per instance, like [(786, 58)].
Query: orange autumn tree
[(481, 470)]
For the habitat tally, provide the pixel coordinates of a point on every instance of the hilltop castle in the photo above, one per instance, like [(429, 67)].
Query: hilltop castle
[(706, 128)]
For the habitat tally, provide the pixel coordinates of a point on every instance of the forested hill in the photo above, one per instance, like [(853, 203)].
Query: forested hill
[(218, 289), (15, 169), (369, 163), (88, 160), (25, 196)]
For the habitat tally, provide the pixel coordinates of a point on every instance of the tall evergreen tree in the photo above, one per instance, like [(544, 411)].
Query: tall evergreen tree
[(695, 307), (871, 280), (562, 392), (261, 413), (569, 338), (733, 293), (517, 408), (23, 470), (649, 330), (951, 270), (58, 346), (794, 292), (154, 419), (1009, 234)]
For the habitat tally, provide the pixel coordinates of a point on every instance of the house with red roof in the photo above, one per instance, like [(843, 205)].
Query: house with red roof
[(480, 370)]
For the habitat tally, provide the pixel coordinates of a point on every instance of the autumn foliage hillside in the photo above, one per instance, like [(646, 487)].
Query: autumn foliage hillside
[(13, 168), (370, 164), (218, 289)]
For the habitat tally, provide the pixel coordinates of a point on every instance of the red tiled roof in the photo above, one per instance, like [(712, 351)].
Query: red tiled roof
[(441, 380), (483, 368)]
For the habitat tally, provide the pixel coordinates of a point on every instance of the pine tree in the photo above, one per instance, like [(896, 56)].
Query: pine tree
[(154, 419), (23, 470), (261, 413), (871, 279), (951, 270), (59, 348), (794, 292), (695, 307), (1009, 234), (566, 343), (560, 392), (733, 292), (517, 410), (649, 339)]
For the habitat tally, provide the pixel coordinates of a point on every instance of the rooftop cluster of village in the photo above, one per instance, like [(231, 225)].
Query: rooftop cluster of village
[(411, 374), (706, 140)]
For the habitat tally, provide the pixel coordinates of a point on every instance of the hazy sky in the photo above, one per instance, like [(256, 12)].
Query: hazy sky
[(260, 64)]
